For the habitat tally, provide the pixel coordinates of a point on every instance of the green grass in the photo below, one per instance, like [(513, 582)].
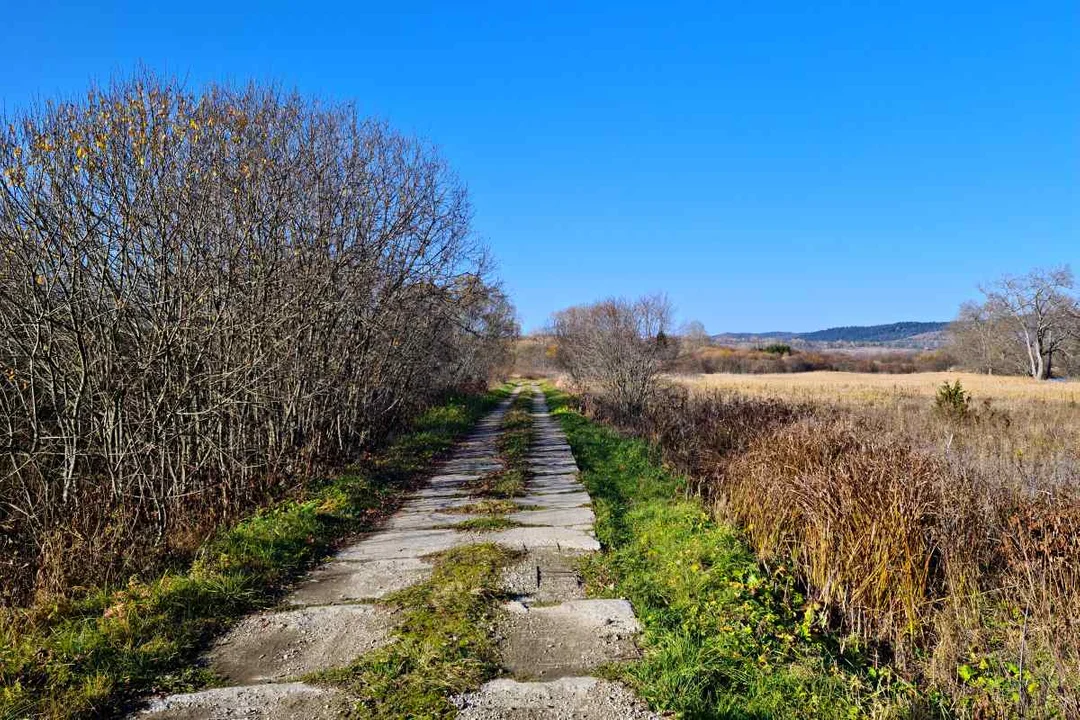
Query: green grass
[(89, 658), (488, 507), (513, 446), (722, 638), (483, 524), (443, 645)]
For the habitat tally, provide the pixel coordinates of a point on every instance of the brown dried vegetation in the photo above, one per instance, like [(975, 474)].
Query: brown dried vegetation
[(927, 541)]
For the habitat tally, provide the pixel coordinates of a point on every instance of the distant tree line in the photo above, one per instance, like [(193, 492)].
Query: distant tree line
[(1024, 325), (206, 295)]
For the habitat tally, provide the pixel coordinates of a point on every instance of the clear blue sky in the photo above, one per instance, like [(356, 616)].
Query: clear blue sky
[(795, 167)]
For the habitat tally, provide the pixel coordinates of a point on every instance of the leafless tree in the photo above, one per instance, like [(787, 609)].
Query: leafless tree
[(1041, 312), (692, 336), (981, 340), (203, 296), (616, 345)]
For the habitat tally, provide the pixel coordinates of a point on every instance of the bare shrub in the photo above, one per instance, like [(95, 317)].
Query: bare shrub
[(616, 345), (205, 298)]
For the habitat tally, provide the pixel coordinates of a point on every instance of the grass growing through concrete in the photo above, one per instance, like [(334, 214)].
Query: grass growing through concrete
[(722, 638), (89, 658), (513, 445), (486, 507), (484, 524), (443, 645)]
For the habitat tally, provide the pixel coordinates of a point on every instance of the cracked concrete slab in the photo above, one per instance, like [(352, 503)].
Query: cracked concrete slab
[(571, 638), (568, 698), (576, 538), (426, 520), (554, 500), (343, 581), (275, 646), (545, 576), (278, 701)]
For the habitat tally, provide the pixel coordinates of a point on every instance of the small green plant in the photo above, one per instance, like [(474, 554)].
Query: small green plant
[(952, 401), (780, 349)]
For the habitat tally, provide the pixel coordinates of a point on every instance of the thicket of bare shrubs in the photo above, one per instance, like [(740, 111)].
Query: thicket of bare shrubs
[(205, 298), (924, 543), (713, 359), (617, 345)]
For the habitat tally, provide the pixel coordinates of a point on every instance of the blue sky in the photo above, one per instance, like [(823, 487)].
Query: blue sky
[(770, 166)]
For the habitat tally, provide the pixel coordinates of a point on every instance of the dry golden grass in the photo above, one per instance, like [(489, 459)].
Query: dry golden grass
[(872, 388)]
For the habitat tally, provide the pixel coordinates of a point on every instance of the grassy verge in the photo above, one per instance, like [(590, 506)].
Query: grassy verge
[(722, 638), (91, 657), (443, 645)]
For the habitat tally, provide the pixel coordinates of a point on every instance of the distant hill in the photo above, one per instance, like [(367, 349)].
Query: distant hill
[(900, 334)]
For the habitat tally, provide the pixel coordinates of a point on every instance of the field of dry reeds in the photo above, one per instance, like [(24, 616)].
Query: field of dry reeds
[(944, 541)]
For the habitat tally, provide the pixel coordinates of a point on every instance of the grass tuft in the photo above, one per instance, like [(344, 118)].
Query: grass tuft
[(483, 524)]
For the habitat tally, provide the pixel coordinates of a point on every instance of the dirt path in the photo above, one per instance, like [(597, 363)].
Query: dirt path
[(550, 636)]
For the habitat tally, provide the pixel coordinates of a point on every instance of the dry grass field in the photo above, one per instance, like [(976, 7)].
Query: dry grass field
[(944, 535), (876, 387)]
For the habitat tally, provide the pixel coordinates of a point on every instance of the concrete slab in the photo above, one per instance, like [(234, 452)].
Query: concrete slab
[(276, 646), (278, 701), (342, 581), (554, 500), (545, 576), (566, 639), (568, 698), (531, 538), (425, 520), (560, 517), (397, 544)]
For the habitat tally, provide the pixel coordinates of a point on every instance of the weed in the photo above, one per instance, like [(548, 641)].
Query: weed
[(952, 401), (487, 507)]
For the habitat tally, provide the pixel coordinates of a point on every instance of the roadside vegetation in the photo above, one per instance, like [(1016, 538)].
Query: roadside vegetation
[(936, 534), (88, 657), (723, 638), (205, 300), (942, 544)]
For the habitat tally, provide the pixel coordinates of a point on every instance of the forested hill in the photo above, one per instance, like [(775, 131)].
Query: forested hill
[(892, 333), (873, 333)]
